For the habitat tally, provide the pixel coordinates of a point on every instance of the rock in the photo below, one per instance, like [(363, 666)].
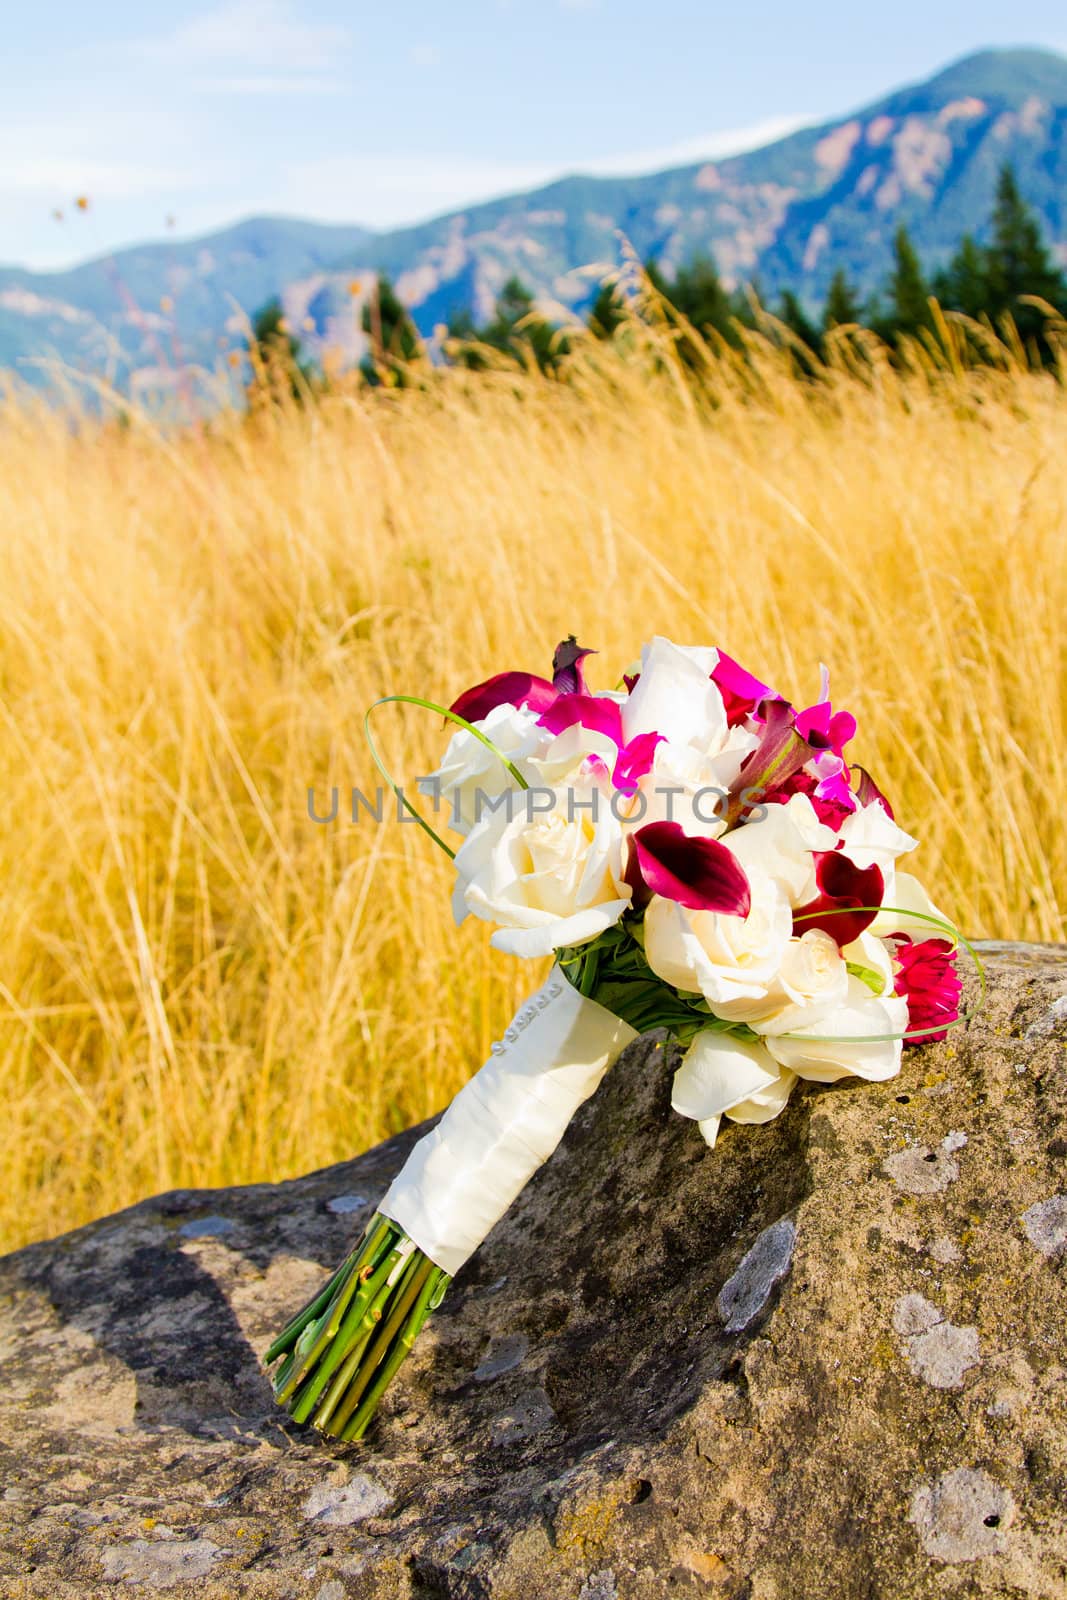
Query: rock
[(811, 1364), (342, 1504), (501, 1357), (745, 1293)]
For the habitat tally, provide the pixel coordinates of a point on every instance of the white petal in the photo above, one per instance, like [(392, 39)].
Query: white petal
[(862, 1038), (780, 842), (553, 933), (872, 838), (676, 697), (709, 1127), (717, 1072), (873, 953), (767, 1103), (909, 895)]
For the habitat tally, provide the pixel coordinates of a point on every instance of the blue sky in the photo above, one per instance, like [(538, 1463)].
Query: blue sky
[(207, 110)]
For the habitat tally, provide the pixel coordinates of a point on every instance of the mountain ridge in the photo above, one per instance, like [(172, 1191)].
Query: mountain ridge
[(785, 214)]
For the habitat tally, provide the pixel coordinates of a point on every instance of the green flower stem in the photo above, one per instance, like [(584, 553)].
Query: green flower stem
[(370, 1281), (342, 1349), (400, 1350), (289, 1335), (289, 1338), (408, 1292), (351, 1336)]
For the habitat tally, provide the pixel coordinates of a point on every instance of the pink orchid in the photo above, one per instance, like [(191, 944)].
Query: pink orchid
[(601, 715), (741, 692)]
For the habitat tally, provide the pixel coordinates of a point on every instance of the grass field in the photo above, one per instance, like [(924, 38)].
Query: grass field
[(198, 985)]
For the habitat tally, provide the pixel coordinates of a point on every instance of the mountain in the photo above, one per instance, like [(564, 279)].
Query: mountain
[(786, 215), (157, 306)]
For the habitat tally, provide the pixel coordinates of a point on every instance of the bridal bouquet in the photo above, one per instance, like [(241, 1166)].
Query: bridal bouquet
[(698, 856)]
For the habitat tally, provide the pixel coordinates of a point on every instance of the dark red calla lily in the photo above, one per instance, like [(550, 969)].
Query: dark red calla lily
[(867, 790), (843, 889), (696, 872), (568, 674), (526, 688)]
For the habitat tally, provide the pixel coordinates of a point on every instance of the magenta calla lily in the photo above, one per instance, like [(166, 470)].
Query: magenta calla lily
[(847, 899), (506, 689), (698, 873), (527, 689)]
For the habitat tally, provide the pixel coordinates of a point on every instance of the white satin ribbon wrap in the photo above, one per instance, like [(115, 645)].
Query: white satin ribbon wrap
[(505, 1123)]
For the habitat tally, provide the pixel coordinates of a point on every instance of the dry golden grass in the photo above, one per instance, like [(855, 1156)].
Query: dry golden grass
[(200, 986)]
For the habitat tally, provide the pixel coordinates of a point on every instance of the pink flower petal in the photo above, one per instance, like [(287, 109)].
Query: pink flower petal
[(592, 711)]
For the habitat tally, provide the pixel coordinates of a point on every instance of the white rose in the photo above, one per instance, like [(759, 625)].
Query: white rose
[(779, 844), (470, 769), (813, 971), (549, 881), (675, 696), (576, 758), (732, 961), (689, 785), (811, 981), (861, 1037)]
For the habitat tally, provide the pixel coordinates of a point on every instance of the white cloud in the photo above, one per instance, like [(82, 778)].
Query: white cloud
[(390, 191), (425, 54), (63, 177), (386, 191), (252, 33), (704, 147), (270, 84)]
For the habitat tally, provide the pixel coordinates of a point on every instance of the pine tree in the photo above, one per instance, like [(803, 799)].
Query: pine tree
[(796, 319), (842, 307), (518, 328), (964, 284), (274, 352), (908, 293), (1018, 261), (394, 339), (656, 278), (698, 293), (607, 311)]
